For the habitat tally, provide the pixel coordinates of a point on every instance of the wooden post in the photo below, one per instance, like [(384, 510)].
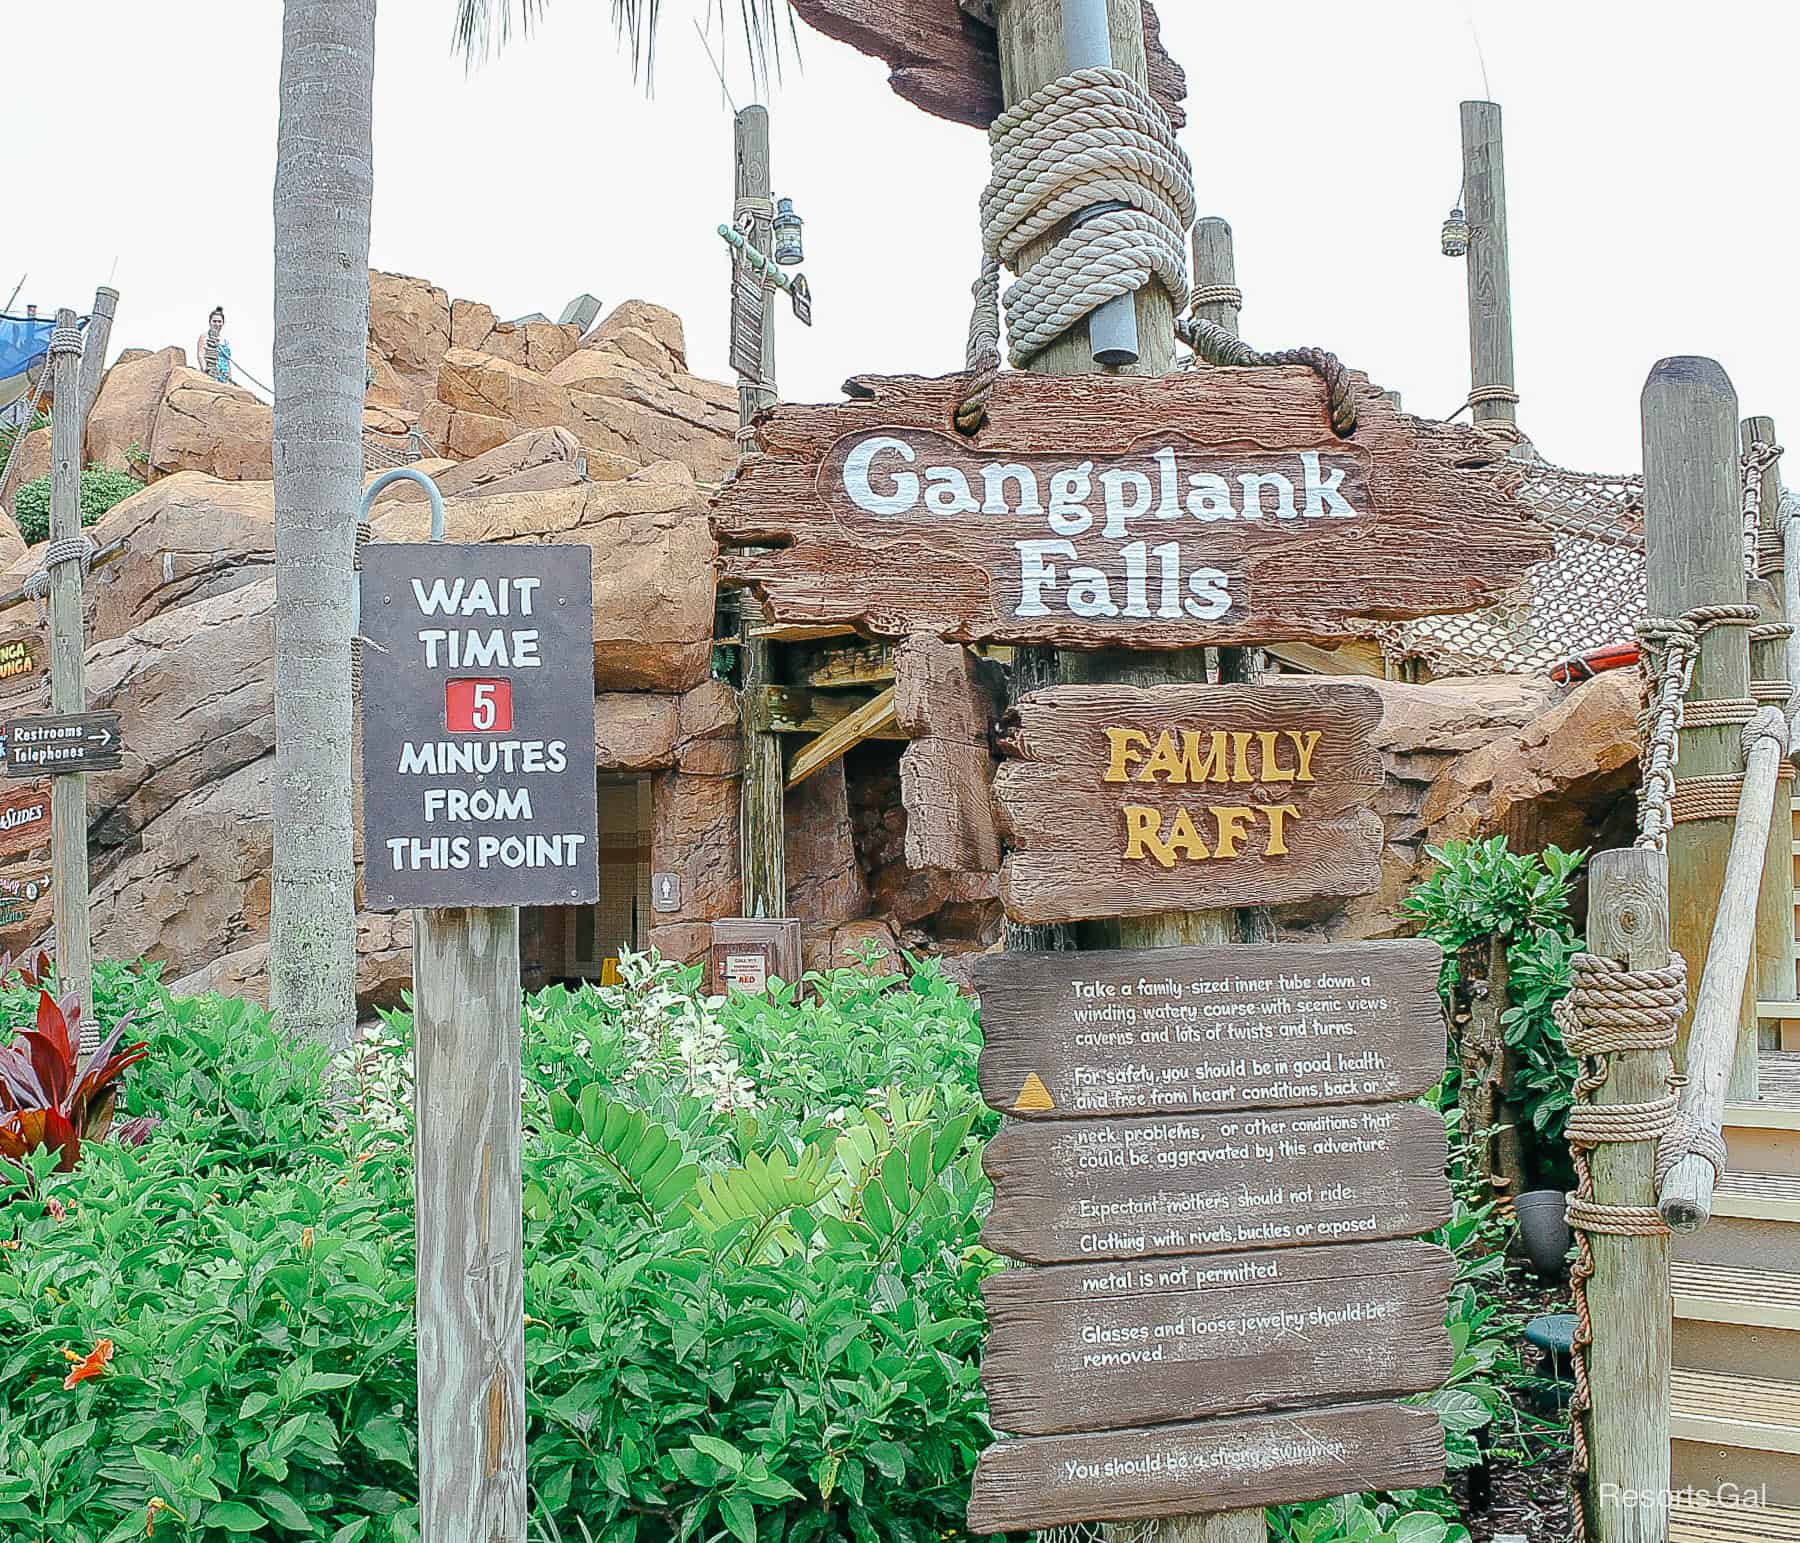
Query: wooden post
[(1215, 263), (1628, 1294), (1770, 684), (68, 691), (94, 344), (1491, 378), (1694, 556), (470, 1226), (1032, 54), (762, 836)]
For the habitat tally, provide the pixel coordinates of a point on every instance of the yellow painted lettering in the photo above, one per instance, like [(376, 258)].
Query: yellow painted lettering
[(1207, 768), (1185, 839), (1164, 762), (1240, 756), (1231, 818), (1272, 769), (1123, 752), (1143, 835), (1304, 745), (1278, 815)]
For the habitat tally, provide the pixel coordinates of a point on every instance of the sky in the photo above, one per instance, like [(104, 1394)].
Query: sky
[(1651, 157)]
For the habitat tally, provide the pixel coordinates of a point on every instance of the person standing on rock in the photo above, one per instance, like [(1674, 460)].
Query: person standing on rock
[(214, 353)]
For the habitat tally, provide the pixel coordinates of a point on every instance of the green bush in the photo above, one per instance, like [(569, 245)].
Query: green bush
[(11, 431), (101, 488), (775, 1339)]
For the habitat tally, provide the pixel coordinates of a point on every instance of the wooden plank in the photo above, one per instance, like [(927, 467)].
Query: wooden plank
[(942, 691), (1073, 1190), (944, 61), (1348, 658), (1065, 522), (25, 818), (795, 710), (945, 787), (794, 632), (470, 1225), (1129, 802), (1100, 1347), (62, 743), (1209, 1028), (875, 714), (1212, 1465)]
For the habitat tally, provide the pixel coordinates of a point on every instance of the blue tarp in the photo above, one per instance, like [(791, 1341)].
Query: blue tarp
[(23, 340)]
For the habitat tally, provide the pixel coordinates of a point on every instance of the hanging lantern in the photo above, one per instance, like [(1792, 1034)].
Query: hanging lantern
[(788, 250), (1456, 234)]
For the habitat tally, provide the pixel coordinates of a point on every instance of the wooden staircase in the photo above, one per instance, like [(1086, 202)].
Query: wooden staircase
[(1735, 1402)]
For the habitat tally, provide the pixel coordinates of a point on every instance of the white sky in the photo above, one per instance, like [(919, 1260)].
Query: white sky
[(1651, 152)]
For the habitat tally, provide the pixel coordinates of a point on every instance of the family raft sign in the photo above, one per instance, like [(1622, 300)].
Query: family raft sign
[(478, 726), (1207, 507)]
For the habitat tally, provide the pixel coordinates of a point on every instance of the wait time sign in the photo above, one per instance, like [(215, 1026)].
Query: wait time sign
[(478, 726)]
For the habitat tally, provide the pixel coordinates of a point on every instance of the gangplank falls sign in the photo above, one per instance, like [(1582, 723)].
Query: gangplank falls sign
[(1129, 802), (478, 726), (1215, 506), (1215, 1178)]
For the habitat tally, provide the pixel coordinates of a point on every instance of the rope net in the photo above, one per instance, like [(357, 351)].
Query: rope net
[(1591, 592)]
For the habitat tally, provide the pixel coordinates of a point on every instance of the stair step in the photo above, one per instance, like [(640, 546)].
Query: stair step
[(1716, 1293), (1758, 1413), (1786, 1008), (1768, 1197), (1777, 1106), (1696, 1522)]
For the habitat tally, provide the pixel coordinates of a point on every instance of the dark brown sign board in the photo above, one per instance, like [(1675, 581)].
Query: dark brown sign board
[(62, 743), (479, 784), (1124, 801), (1100, 1346), (1197, 1029), (745, 953), (1202, 507), (24, 818), (1214, 1465), (1121, 1189)]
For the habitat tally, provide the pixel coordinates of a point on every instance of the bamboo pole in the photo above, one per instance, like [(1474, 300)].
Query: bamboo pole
[(762, 834), (1493, 389), (1033, 52), (470, 1226), (1694, 556), (68, 689), (1628, 1293), (1715, 1034), (1769, 670)]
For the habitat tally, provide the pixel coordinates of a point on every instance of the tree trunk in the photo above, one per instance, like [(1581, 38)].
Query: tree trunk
[(324, 180)]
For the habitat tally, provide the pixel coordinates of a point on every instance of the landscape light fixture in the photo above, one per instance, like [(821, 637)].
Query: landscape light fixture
[(1456, 234), (787, 226)]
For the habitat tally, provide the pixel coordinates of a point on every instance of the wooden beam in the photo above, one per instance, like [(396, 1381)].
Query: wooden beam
[(874, 715), (1490, 276), (794, 710), (801, 632), (1358, 658)]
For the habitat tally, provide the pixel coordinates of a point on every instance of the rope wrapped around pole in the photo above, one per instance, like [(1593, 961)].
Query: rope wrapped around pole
[(1692, 1156), (1217, 346)]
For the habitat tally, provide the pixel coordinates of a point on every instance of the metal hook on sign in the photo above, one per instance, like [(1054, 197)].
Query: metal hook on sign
[(408, 474)]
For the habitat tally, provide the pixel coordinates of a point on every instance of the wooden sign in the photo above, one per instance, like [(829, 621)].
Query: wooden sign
[(62, 743), (1072, 1190), (749, 296), (1100, 1346), (24, 818), (20, 659), (1203, 507), (478, 726), (946, 62), (1122, 801), (1214, 1465), (1186, 1030), (747, 952)]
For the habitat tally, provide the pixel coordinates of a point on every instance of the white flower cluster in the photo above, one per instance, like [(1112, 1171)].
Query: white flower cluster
[(374, 1076), (674, 1033)]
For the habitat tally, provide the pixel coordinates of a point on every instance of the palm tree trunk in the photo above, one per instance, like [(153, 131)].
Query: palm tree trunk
[(324, 181)]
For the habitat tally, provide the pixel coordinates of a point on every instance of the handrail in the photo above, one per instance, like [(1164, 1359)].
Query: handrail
[(1686, 1192)]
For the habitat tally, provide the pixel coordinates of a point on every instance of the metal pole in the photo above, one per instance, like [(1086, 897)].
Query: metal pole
[(1087, 43), (68, 691)]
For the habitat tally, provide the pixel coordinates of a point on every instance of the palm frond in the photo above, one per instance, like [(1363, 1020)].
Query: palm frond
[(484, 27)]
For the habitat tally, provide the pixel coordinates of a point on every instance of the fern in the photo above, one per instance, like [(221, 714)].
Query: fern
[(755, 1201), (645, 1155)]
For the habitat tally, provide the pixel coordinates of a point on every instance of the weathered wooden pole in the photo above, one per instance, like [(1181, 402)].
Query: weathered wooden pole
[(1770, 686), (68, 691), (1493, 389), (470, 1226), (1628, 1293), (762, 835), (1033, 52), (1694, 556), (94, 345), (1217, 298)]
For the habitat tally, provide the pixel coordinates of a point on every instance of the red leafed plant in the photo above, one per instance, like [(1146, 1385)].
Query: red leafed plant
[(46, 1101)]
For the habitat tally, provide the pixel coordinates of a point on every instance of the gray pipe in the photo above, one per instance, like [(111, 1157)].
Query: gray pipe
[(1087, 45)]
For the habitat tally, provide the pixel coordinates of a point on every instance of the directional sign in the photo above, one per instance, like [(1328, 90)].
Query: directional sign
[(62, 743), (478, 726), (24, 818)]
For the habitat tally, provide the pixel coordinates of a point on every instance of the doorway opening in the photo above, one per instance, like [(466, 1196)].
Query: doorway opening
[(571, 944)]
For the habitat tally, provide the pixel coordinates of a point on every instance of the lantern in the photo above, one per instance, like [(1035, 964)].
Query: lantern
[(1456, 234), (788, 250)]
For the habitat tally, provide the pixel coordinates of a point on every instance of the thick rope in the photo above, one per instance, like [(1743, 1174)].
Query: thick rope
[(1215, 294), (1757, 458), (1217, 346), (1610, 1009)]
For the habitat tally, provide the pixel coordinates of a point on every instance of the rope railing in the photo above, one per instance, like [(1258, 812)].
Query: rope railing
[(1691, 1155)]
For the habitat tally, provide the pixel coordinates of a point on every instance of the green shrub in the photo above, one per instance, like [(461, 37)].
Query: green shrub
[(101, 488), (11, 431)]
